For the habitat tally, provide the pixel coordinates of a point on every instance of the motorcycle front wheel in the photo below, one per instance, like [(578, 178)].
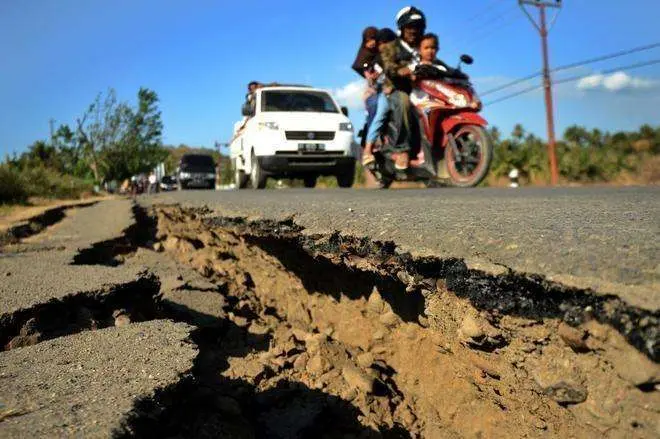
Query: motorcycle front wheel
[(468, 160)]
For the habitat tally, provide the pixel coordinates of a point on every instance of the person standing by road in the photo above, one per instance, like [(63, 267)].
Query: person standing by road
[(153, 183)]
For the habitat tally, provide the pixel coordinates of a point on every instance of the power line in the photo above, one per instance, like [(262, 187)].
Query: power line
[(576, 78), (614, 70), (489, 7), (486, 29), (491, 31), (575, 64), (511, 84), (606, 57)]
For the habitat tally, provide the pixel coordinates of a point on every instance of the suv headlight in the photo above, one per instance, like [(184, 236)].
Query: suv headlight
[(346, 126), (184, 175), (210, 175), (269, 125)]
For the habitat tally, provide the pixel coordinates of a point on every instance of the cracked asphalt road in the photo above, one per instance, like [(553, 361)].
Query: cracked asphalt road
[(605, 239), (86, 380)]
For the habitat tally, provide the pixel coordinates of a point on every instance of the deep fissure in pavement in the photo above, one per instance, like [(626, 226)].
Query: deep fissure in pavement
[(134, 301), (207, 403), (530, 296), (38, 223)]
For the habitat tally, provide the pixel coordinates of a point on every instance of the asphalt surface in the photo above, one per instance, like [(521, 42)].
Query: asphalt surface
[(83, 227), (39, 268), (32, 279), (83, 385), (605, 239)]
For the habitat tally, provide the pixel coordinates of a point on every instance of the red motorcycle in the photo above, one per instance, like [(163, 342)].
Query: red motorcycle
[(459, 149)]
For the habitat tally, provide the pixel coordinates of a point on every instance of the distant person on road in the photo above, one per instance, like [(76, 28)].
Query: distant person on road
[(153, 183)]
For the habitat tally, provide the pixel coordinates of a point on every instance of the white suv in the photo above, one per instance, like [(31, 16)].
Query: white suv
[(293, 132)]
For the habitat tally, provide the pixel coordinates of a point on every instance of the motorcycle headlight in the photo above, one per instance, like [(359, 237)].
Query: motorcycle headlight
[(184, 175), (459, 100), (269, 125), (346, 126)]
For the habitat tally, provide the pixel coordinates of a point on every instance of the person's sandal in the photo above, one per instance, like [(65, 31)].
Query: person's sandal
[(368, 159), (402, 161)]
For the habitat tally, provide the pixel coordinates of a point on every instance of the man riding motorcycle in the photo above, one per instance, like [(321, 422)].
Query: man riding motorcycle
[(399, 61)]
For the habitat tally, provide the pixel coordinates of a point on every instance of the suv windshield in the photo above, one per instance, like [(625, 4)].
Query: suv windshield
[(291, 100), (199, 161)]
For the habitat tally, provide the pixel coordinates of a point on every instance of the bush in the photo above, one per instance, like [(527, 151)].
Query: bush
[(16, 186), (42, 182), (12, 189)]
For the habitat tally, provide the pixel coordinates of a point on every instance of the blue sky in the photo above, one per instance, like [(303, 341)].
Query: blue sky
[(198, 55)]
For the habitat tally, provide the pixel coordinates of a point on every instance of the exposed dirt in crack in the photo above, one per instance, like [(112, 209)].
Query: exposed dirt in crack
[(83, 311), (329, 336), (38, 223)]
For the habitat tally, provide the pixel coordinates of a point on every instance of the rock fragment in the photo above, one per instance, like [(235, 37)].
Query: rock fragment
[(357, 379), (575, 338), (635, 368), (318, 365), (477, 333), (375, 302)]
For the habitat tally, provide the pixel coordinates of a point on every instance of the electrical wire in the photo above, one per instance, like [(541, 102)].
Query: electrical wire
[(573, 65), (576, 78), (606, 57), (493, 4), (486, 27)]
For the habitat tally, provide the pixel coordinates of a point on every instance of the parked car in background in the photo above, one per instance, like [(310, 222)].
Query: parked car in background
[(196, 171), (168, 183)]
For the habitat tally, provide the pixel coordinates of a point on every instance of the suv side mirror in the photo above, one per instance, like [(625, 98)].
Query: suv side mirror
[(466, 59), (344, 111)]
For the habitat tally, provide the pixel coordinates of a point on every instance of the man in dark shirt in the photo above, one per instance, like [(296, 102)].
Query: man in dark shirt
[(399, 60)]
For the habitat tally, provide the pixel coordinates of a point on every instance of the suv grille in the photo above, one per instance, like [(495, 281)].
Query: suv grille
[(310, 135)]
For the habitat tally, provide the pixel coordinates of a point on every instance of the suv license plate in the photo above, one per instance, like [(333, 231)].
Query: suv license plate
[(311, 147)]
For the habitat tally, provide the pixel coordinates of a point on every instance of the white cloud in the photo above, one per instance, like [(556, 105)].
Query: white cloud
[(615, 82), (350, 94)]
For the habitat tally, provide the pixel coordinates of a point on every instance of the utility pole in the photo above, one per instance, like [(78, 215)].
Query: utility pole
[(543, 29)]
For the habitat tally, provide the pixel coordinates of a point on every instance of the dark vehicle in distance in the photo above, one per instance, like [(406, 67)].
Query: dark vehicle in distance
[(196, 171), (168, 183)]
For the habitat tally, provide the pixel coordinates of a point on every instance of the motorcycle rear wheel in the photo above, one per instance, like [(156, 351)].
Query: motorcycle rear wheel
[(475, 153)]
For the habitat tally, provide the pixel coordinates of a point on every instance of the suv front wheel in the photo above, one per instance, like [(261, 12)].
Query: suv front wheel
[(345, 179), (257, 177), (240, 179)]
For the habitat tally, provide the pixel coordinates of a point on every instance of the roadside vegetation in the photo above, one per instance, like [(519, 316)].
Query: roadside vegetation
[(583, 156), (112, 140)]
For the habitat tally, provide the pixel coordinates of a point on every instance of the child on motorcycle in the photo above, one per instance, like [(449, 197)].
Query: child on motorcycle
[(428, 50)]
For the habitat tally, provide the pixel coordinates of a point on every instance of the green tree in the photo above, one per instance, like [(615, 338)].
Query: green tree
[(139, 147)]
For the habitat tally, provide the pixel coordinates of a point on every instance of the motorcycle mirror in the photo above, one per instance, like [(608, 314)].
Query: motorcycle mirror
[(466, 59), (344, 110)]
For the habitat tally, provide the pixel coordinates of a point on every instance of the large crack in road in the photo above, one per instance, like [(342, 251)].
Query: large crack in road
[(303, 335), (331, 336)]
